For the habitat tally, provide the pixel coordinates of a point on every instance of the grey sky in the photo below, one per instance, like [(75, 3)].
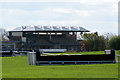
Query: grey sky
[(97, 16)]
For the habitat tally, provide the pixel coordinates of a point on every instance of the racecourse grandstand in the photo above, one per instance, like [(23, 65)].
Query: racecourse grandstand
[(47, 37)]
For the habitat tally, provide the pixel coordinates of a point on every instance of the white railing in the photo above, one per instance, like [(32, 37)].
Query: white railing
[(52, 50)]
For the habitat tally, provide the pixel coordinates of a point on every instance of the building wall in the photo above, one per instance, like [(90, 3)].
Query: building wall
[(6, 46), (16, 33), (31, 41), (24, 39)]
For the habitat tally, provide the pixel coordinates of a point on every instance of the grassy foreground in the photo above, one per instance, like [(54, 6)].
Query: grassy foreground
[(17, 67)]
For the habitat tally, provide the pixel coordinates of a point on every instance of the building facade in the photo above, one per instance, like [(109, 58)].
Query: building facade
[(46, 37)]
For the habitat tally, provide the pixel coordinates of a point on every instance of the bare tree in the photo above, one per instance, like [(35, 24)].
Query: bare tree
[(3, 35), (108, 35)]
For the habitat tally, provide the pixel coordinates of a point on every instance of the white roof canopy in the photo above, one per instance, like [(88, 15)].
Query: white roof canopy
[(50, 28)]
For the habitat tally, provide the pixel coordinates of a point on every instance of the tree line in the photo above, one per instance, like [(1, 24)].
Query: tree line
[(95, 42)]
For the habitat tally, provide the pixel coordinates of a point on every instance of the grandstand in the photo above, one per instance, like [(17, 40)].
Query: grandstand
[(47, 37)]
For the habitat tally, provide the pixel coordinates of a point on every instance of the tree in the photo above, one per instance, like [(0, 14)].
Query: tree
[(83, 45), (107, 37), (94, 42), (114, 43), (3, 34)]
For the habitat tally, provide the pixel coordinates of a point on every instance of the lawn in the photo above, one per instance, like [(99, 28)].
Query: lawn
[(82, 53), (17, 67)]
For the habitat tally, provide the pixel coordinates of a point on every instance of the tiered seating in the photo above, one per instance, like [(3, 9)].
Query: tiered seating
[(64, 40), (39, 41), (55, 39), (42, 42)]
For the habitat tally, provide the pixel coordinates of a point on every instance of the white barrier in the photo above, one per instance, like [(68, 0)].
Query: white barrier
[(107, 51), (31, 58), (52, 50)]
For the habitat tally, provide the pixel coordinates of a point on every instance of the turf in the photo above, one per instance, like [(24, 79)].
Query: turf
[(17, 67), (82, 53)]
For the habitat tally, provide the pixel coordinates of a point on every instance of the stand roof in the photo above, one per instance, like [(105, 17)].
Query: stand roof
[(50, 28)]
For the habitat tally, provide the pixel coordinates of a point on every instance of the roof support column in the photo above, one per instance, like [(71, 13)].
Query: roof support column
[(50, 36), (55, 33), (81, 35), (76, 36), (47, 33), (73, 33)]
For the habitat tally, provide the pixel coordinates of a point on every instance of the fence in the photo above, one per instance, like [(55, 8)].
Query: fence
[(72, 59), (52, 50)]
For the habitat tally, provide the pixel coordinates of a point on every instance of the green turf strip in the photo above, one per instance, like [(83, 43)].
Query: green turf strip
[(17, 67)]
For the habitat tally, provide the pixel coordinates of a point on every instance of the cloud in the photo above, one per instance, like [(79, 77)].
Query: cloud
[(77, 12), (61, 10), (96, 2), (84, 12), (14, 17), (24, 14), (88, 2), (45, 14), (101, 26), (91, 15)]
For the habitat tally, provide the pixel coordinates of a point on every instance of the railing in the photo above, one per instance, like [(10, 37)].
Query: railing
[(52, 50), (74, 59)]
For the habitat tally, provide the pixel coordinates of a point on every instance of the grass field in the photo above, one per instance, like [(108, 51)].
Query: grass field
[(17, 67), (82, 53)]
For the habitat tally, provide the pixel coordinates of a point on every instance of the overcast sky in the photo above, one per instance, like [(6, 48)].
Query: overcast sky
[(94, 15)]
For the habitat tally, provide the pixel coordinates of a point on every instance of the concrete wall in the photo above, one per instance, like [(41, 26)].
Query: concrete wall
[(16, 33)]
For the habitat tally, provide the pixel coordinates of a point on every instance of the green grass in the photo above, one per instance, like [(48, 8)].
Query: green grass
[(82, 53), (17, 67)]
